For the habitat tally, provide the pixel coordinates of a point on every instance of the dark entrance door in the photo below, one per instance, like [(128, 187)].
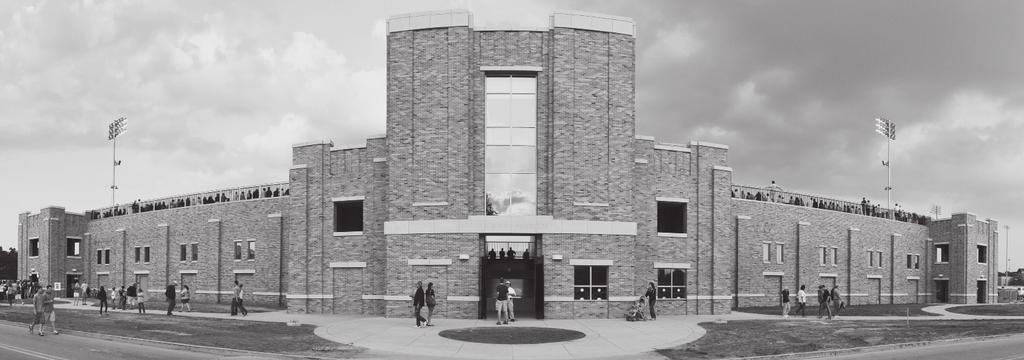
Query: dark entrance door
[(69, 287), (525, 274), (942, 291), (982, 286)]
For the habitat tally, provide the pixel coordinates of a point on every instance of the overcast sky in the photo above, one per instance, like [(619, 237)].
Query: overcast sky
[(216, 92)]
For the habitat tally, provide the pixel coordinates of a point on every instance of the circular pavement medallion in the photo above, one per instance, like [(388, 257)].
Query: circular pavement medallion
[(512, 335)]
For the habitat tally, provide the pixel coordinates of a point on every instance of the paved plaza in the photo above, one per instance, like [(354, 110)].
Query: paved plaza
[(605, 338)]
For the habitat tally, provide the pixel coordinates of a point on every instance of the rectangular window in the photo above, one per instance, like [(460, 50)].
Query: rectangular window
[(238, 250), (778, 253), (195, 251), (348, 216), (917, 261), (765, 256), (33, 247), (942, 253), (835, 256), (871, 258), (184, 252), (99, 257), (671, 283), (671, 217), (74, 247), (591, 283), (146, 252), (910, 261), (251, 254), (510, 139), (138, 254), (824, 256), (982, 254), (106, 256)]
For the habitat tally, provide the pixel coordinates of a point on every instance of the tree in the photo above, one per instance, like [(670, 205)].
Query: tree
[(9, 264)]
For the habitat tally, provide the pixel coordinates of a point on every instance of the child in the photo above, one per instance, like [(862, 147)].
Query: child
[(637, 312), (141, 300)]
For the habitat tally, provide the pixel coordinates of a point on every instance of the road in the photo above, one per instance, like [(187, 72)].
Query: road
[(1007, 348), (17, 344)]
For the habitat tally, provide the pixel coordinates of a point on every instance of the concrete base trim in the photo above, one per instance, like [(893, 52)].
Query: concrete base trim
[(372, 297), (141, 272), (193, 272), (874, 276), (215, 292), (668, 265), (102, 273), (463, 298), (913, 278), (625, 298), (244, 271), (773, 273), (397, 297), (711, 297), (591, 262), (347, 264), (347, 233), (558, 298), (749, 295), (309, 296), (828, 275), (267, 293)]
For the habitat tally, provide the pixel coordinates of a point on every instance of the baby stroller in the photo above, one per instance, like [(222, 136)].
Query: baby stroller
[(638, 311)]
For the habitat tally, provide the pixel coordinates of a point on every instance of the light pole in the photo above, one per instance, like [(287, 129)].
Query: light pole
[(1007, 250), (115, 128), (887, 128)]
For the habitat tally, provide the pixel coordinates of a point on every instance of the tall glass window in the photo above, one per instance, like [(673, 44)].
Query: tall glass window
[(510, 155)]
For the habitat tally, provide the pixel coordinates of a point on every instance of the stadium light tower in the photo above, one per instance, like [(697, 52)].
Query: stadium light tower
[(116, 128), (887, 128)]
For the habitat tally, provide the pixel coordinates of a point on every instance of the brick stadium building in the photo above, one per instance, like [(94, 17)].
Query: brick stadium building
[(512, 139)]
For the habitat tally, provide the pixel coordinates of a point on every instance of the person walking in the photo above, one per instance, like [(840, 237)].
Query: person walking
[(102, 297), (823, 302), (123, 295), (801, 301), (837, 301), (76, 292), (85, 293), (512, 296), (652, 296), (431, 301), (785, 303), (241, 300), (39, 317), (133, 292), (140, 299), (11, 291), (418, 300), (171, 293), (234, 298), (186, 295), (501, 303)]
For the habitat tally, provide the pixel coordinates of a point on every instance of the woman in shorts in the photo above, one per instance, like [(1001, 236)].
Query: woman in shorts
[(186, 294)]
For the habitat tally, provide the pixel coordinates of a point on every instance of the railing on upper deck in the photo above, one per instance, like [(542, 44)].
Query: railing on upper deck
[(241, 193), (865, 207)]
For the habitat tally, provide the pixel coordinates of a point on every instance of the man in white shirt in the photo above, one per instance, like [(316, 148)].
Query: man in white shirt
[(801, 301), (512, 295)]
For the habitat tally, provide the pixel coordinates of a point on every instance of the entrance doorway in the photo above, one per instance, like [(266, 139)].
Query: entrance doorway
[(69, 287), (982, 287), (143, 281), (525, 273), (942, 291)]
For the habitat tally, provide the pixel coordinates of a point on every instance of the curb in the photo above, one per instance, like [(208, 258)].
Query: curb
[(869, 349), (173, 345)]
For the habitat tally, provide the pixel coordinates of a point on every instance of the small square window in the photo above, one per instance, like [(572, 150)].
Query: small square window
[(138, 254), (671, 217), (147, 254), (765, 252), (184, 252), (942, 253), (238, 250), (251, 254), (106, 257), (778, 253), (74, 247), (348, 216), (591, 283), (99, 257), (195, 251)]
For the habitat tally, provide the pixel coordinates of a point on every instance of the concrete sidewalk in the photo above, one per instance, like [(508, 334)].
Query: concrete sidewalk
[(605, 338)]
